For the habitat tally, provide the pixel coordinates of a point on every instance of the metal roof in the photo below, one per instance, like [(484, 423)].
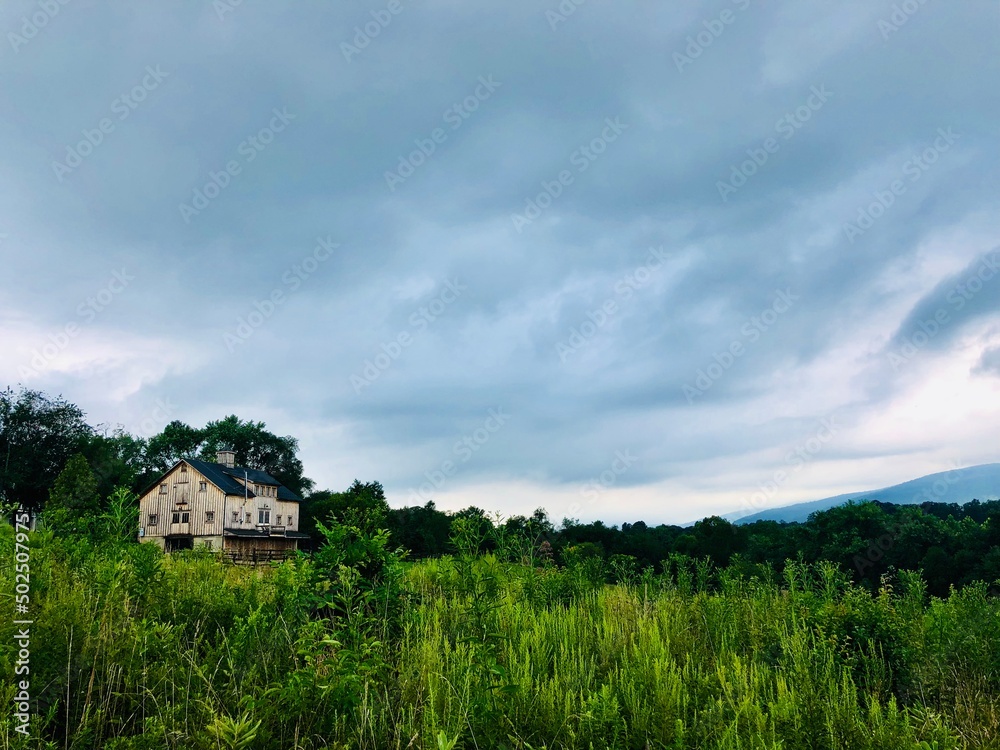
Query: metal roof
[(225, 479)]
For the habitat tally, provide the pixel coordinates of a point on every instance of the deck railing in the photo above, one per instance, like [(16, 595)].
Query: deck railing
[(257, 556)]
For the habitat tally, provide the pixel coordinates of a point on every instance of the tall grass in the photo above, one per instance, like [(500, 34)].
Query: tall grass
[(352, 649)]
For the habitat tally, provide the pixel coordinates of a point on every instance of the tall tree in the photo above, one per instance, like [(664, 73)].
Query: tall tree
[(257, 448), (38, 434), (74, 504), (118, 459), (177, 441), (363, 505)]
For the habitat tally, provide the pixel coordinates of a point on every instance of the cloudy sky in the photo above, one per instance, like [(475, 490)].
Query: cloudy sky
[(621, 260)]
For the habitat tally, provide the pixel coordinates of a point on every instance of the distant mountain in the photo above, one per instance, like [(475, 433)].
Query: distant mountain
[(956, 486)]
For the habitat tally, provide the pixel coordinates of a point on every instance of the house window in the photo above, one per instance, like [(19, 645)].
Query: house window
[(264, 516), (184, 470), (152, 520), (180, 517), (163, 488), (236, 516), (209, 516), (202, 486), (289, 520)]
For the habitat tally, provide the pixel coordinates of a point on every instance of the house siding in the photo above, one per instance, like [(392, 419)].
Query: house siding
[(182, 486), (183, 494)]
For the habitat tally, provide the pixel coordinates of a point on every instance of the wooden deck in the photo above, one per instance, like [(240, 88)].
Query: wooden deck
[(257, 557)]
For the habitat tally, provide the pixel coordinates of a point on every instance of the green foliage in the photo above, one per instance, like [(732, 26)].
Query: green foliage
[(73, 500), (117, 459), (38, 434), (363, 505), (352, 647), (234, 734), (807, 636), (255, 446), (120, 521)]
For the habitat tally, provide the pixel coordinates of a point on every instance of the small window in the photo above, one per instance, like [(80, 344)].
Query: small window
[(209, 516), (202, 486), (184, 469), (180, 517), (236, 516), (175, 518), (152, 520), (264, 516), (163, 488), (185, 517)]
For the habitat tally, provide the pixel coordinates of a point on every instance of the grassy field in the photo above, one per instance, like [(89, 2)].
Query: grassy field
[(355, 649)]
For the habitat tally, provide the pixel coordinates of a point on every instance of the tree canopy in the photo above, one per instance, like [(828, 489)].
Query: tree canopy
[(255, 446), (38, 434)]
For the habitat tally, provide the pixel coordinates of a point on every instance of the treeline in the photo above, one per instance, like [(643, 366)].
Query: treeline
[(39, 435), (952, 544), (50, 458)]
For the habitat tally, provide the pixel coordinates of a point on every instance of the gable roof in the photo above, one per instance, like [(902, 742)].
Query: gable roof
[(224, 478)]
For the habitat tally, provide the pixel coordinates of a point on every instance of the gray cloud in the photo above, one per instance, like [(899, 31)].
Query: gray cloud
[(942, 315), (989, 363), (858, 296)]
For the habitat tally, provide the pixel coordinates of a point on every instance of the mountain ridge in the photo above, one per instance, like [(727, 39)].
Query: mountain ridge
[(959, 485)]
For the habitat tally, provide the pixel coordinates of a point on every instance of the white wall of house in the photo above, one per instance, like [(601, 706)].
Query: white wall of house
[(185, 502), (182, 490)]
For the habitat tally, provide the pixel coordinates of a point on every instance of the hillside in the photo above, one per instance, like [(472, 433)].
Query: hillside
[(957, 486)]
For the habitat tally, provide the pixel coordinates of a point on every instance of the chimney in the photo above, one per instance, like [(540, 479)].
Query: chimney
[(226, 457)]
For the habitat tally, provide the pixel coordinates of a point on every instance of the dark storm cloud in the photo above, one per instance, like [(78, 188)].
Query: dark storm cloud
[(971, 294), (532, 161), (989, 363)]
